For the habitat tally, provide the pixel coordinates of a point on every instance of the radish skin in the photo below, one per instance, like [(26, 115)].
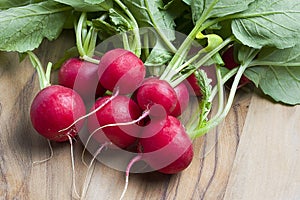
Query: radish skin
[(170, 150), (121, 109), (120, 68), (155, 91)]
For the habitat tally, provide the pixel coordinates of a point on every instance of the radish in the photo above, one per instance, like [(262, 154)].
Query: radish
[(170, 150), (183, 98), (120, 68), (81, 76), (120, 109), (155, 91), (54, 108), (165, 146)]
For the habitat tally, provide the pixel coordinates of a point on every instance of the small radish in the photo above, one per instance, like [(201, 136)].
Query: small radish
[(54, 108), (120, 109), (120, 68), (155, 91), (170, 150), (165, 146), (183, 98), (81, 76)]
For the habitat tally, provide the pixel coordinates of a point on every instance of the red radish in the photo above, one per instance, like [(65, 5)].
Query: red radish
[(120, 68), (165, 146), (120, 109), (81, 76), (170, 149), (230, 63), (155, 91), (183, 99), (55, 108)]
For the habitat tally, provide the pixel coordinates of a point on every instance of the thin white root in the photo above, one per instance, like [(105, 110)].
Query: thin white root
[(145, 114), (93, 112), (74, 190), (125, 187), (45, 160), (89, 171), (134, 160)]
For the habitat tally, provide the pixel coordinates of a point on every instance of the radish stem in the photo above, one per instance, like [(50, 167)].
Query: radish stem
[(182, 50), (135, 27), (218, 118)]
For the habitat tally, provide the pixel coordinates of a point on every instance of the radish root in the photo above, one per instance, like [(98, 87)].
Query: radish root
[(134, 160), (88, 173), (50, 156), (74, 190)]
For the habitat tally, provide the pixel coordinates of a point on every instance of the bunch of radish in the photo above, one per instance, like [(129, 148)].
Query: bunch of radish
[(125, 108), (136, 112)]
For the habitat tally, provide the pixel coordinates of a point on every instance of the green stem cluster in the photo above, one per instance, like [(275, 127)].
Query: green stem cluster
[(137, 41), (85, 39), (182, 52), (223, 111), (44, 77)]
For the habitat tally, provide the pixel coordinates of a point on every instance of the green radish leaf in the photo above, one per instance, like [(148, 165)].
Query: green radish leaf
[(119, 21), (84, 6), (277, 73), (281, 83), (105, 29), (5, 4), (222, 7), (159, 56), (268, 23), (23, 28), (279, 57), (148, 13)]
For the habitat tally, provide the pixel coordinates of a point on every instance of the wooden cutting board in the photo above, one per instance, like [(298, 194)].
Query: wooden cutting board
[(253, 154)]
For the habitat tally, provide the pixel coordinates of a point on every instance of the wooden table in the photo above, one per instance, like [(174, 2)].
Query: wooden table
[(253, 155)]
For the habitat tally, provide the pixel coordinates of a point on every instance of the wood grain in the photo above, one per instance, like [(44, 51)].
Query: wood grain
[(251, 155), (267, 162)]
